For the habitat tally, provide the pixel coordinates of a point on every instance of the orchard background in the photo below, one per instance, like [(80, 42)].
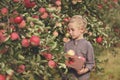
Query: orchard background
[(33, 32)]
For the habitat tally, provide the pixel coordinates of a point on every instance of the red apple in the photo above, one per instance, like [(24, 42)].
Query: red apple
[(55, 33), (70, 62), (2, 77), (58, 3), (21, 68), (99, 39), (66, 19), (48, 56), (18, 19), (14, 36), (42, 10), (44, 15), (35, 40), (4, 11), (25, 42), (22, 24), (52, 64), (29, 4)]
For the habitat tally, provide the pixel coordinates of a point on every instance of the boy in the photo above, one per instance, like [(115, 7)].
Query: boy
[(81, 47)]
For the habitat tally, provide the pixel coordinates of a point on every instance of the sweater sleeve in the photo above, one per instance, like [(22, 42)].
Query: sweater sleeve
[(90, 57)]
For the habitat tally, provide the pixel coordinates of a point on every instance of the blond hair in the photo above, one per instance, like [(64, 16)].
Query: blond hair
[(80, 20)]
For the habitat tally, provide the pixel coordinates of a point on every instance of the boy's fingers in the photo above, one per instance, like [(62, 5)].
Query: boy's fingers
[(80, 71)]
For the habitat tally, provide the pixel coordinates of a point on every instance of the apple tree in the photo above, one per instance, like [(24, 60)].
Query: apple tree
[(33, 32)]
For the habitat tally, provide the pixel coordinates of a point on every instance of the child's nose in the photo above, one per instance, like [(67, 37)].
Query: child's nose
[(70, 32)]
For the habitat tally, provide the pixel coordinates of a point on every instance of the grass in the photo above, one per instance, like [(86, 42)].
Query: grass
[(110, 62)]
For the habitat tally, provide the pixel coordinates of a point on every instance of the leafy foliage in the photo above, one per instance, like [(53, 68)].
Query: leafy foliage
[(42, 57)]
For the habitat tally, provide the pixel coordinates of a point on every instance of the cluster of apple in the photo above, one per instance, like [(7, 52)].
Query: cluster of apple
[(20, 69), (48, 56), (72, 60), (34, 40), (23, 29)]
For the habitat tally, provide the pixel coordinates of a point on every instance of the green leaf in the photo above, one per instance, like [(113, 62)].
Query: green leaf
[(10, 72), (53, 45), (21, 57), (38, 58), (2, 65), (31, 77)]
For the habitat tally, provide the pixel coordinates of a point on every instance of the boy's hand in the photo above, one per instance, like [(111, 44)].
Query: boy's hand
[(82, 71)]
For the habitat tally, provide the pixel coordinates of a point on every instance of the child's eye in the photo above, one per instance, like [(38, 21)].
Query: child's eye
[(68, 30), (72, 30)]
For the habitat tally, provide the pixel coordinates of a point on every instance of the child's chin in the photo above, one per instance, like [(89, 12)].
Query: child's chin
[(74, 38)]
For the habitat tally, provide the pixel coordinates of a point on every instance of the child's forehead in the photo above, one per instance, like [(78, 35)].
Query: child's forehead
[(73, 25)]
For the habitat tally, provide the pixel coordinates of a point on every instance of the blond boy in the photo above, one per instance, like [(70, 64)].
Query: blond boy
[(81, 47)]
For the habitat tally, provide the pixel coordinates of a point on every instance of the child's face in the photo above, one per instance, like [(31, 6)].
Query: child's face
[(75, 31)]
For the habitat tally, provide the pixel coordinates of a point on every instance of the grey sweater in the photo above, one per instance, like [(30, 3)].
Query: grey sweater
[(82, 48)]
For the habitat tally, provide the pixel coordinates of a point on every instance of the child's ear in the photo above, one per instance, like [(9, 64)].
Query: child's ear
[(82, 30)]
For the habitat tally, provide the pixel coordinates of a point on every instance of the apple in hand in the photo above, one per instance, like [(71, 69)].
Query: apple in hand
[(71, 53)]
